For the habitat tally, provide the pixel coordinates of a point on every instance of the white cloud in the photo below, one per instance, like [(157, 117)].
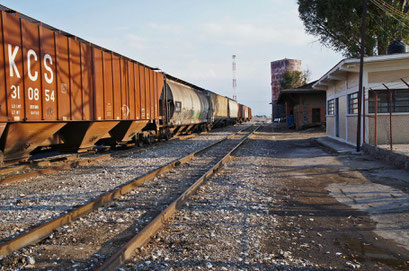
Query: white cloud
[(169, 28), (121, 28), (137, 42)]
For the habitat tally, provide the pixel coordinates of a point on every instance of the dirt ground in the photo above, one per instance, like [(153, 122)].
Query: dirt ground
[(283, 203)]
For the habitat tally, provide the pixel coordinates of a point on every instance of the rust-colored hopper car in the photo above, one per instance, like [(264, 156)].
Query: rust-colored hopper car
[(59, 90)]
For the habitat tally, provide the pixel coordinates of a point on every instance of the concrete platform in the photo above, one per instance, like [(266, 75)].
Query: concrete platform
[(335, 145), (398, 156), (398, 148)]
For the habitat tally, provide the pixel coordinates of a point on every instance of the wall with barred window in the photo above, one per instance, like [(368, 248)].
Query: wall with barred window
[(400, 106), (400, 129), (342, 83)]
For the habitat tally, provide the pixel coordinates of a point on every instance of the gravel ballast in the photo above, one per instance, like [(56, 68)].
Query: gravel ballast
[(270, 210), (86, 242), (31, 202)]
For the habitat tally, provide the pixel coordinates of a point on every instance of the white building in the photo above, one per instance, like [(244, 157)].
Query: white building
[(341, 85)]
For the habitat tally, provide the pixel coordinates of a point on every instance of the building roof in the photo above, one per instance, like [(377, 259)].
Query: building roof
[(338, 72), (305, 89)]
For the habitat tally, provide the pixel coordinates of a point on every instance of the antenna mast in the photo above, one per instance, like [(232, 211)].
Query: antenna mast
[(234, 78)]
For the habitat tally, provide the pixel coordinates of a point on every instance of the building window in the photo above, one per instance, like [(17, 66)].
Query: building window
[(400, 101), (353, 103), (331, 107)]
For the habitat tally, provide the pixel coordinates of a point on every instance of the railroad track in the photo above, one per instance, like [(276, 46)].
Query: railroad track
[(15, 172), (20, 172), (48, 228), (26, 204)]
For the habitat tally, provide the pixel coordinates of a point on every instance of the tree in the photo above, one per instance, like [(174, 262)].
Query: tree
[(294, 79), (337, 24)]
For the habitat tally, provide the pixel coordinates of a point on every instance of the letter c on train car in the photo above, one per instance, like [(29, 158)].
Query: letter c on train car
[(30, 53)]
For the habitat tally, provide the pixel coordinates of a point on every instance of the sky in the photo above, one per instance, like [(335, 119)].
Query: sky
[(195, 40)]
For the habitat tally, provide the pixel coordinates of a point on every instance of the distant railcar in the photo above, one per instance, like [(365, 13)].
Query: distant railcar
[(233, 110), (243, 113), (188, 108), (219, 109)]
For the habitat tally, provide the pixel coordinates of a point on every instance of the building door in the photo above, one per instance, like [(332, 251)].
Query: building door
[(316, 115), (337, 117)]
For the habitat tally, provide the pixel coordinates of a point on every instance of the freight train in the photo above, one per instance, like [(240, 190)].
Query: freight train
[(60, 91)]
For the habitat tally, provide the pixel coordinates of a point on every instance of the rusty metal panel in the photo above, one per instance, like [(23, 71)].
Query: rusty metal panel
[(48, 76), (147, 93), (152, 93), (23, 137), (131, 90), (84, 134), (125, 131), (86, 76), (155, 95), (98, 84), (2, 128), (142, 83), (32, 72), (75, 79), (108, 90), (124, 90), (137, 92), (156, 92), (3, 103), (14, 68), (63, 77), (116, 68), (160, 82)]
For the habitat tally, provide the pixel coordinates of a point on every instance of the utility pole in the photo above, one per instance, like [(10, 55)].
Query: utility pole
[(234, 77), (361, 72)]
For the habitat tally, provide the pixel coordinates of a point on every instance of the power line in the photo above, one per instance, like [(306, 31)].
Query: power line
[(392, 9), (391, 12)]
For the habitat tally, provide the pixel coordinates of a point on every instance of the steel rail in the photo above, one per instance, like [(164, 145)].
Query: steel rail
[(126, 252), (42, 231), (13, 168), (49, 170), (79, 162)]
